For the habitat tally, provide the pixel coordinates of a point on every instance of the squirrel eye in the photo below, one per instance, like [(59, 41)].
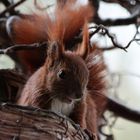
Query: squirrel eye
[(62, 74)]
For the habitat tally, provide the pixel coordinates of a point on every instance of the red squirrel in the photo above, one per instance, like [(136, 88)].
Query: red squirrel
[(60, 85), (68, 81)]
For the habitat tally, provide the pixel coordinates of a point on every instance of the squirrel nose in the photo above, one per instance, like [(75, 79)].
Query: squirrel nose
[(75, 94)]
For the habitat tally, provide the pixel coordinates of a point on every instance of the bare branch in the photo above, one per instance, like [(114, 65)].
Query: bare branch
[(23, 47), (11, 7), (105, 123), (119, 22), (6, 3), (123, 110), (133, 6), (105, 31)]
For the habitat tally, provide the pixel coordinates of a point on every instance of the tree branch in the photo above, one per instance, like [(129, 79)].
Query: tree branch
[(23, 47), (119, 22), (11, 7), (6, 3), (123, 111), (32, 123), (105, 31)]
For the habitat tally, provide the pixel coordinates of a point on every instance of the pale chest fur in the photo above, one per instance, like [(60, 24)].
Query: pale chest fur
[(61, 107)]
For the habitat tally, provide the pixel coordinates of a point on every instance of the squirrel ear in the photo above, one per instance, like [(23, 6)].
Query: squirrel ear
[(54, 52), (83, 49)]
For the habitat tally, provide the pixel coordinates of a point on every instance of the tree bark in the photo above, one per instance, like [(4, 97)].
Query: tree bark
[(25, 123)]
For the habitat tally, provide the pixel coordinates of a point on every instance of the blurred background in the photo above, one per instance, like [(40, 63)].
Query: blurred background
[(125, 66)]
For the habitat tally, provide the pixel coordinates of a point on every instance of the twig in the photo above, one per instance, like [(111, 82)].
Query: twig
[(105, 31), (118, 22), (11, 7), (127, 4), (23, 47), (5, 2), (117, 46), (123, 111), (101, 127)]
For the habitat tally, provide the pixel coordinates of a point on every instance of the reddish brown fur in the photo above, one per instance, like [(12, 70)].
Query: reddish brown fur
[(97, 84), (44, 82), (40, 27)]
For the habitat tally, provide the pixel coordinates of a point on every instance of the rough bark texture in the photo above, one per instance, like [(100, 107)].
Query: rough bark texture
[(11, 84), (24, 123)]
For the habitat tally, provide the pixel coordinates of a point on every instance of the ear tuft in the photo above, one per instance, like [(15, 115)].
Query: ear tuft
[(83, 49), (53, 50), (54, 53)]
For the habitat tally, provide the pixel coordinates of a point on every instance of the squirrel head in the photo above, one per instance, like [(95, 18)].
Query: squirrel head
[(67, 73)]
